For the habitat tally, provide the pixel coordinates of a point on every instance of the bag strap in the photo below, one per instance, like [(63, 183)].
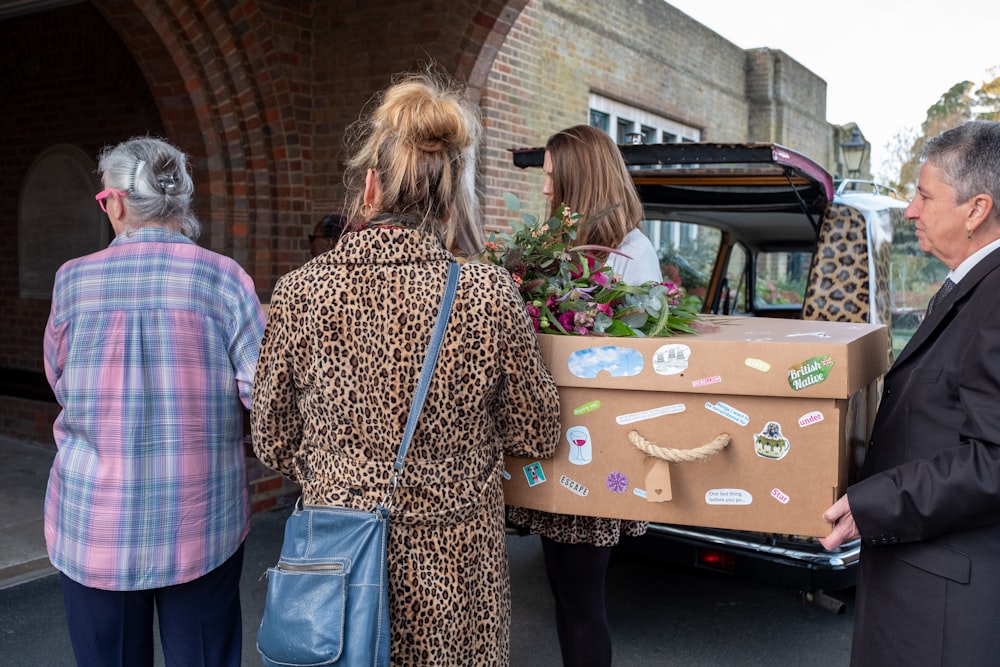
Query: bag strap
[(430, 362)]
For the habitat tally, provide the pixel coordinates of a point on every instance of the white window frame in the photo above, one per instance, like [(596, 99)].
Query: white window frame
[(619, 111)]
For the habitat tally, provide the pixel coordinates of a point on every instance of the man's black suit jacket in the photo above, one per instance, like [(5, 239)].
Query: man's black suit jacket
[(928, 503)]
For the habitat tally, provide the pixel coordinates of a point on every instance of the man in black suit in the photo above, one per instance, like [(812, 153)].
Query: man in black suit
[(927, 507)]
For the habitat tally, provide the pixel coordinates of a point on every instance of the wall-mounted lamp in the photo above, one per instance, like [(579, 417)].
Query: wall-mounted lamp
[(855, 150)]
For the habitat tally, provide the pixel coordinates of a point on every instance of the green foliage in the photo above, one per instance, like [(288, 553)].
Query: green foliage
[(566, 290)]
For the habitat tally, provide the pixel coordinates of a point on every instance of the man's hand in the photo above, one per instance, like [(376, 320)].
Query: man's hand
[(844, 528)]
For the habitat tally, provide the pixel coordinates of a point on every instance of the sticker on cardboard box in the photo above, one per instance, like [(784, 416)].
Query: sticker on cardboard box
[(729, 412), (590, 362), (633, 417), (770, 443), (809, 372), (671, 359), (728, 497), (704, 382), (574, 486), (780, 496), (817, 334), (810, 418), (580, 449), (589, 406), (757, 364), (534, 473), (616, 482)]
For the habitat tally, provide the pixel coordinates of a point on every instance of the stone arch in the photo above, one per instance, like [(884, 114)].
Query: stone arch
[(218, 85)]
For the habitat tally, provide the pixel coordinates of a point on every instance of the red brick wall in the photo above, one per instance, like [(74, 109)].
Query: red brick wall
[(258, 93), (647, 55)]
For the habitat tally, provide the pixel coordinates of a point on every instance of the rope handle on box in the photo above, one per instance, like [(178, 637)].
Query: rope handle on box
[(679, 455)]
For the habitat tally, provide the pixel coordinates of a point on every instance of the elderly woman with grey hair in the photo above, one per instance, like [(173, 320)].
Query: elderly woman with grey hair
[(150, 348)]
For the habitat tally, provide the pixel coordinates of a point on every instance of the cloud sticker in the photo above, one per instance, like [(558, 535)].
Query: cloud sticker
[(617, 361)]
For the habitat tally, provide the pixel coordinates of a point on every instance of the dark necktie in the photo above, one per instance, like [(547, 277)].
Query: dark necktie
[(946, 287)]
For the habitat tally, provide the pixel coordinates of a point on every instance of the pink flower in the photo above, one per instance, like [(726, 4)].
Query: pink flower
[(577, 270)]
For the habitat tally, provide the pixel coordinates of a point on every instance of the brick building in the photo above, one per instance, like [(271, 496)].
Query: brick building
[(260, 92)]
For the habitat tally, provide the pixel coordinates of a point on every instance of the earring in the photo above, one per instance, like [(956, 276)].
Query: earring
[(970, 234), (367, 209)]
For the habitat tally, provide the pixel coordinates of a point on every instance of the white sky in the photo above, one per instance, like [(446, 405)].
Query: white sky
[(884, 61)]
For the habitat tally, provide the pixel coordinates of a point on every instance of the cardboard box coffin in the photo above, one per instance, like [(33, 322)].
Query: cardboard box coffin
[(645, 423)]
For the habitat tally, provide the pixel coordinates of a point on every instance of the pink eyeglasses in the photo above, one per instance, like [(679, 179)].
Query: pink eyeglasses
[(102, 196)]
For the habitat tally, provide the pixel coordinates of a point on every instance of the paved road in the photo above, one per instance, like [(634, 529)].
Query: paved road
[(660, 616)]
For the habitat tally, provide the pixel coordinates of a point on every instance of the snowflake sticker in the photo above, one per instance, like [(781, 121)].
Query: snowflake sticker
[(617, 482)]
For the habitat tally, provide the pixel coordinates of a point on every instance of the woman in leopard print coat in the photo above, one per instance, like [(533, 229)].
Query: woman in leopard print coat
[(345, 339)]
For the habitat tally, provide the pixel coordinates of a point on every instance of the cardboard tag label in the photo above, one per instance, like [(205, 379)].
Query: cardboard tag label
[(657, 482)]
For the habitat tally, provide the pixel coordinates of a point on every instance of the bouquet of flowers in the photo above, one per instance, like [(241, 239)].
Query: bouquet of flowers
[(567, 291)]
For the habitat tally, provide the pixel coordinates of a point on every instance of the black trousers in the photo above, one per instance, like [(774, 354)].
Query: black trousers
[(200, 621), (577, 574)]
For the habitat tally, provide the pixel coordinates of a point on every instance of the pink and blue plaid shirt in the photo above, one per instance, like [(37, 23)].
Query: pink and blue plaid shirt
[(150, 348)]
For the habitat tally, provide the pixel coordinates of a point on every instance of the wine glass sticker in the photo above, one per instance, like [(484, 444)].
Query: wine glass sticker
[(580, 450)]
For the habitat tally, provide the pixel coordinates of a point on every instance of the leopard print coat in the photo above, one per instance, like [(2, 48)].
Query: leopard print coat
[(345, 339)]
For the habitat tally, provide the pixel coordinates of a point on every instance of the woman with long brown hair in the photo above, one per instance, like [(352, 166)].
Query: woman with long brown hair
[(585, 171)]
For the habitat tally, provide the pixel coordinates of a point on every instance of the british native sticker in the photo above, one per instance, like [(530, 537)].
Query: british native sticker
[(769, 443), (810, 372)]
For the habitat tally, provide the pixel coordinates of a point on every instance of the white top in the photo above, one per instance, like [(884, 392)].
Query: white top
[(639, 262), (971, 261)]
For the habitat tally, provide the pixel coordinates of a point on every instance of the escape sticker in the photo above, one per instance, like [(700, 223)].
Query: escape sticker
[(757, 364), (671, 359), (580, 449), (574, 486), (617, 361), (729, 412), (728, 497), (616, 482), (780, 496), (810, 418), (506, 475), (589, 406), (809, 372), (769, 443), (639, 492), (651, 413), (534, 473), (704, 382)]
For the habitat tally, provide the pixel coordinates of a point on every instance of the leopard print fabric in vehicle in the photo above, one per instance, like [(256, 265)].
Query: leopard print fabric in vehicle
[(838, 289), (345, 339)]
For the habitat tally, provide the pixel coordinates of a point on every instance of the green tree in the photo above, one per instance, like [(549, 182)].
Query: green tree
[(961, 103)]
